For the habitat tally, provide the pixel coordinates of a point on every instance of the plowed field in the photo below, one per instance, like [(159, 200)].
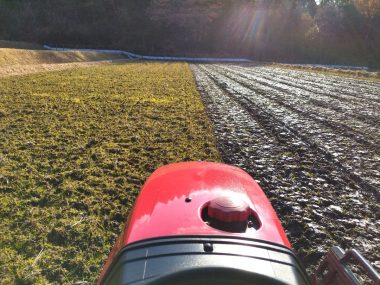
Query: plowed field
[(312, 142)]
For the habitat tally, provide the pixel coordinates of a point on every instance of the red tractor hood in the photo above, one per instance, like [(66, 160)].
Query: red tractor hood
[(172, 199), (175, 198)]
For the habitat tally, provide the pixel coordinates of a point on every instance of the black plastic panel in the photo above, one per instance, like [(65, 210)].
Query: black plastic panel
[(205, 260)]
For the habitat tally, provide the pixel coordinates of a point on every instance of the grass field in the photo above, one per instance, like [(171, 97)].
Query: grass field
[(75, 148)]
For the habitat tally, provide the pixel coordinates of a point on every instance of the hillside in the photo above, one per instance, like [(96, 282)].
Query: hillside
[(20, 45), (344, 32), (14, 61), (11, 56)]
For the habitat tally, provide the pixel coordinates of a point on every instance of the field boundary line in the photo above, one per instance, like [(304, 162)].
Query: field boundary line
[(131, 55)]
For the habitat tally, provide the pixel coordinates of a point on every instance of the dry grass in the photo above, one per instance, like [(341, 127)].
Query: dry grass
[(22, 61), (12, 70), (9, 56)]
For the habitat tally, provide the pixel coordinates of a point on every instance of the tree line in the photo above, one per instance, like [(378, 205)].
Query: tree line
[(331, 31)]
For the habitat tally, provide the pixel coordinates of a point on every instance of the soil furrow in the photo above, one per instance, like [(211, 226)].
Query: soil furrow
[(336, 145), (315, 90), (366, 116), (317, 203), (344, 86), (333, 120), (330, 80)]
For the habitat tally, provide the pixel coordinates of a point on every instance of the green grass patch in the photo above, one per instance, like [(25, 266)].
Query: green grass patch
[(75, 148)]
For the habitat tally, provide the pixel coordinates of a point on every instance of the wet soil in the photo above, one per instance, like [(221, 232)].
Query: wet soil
[(311, 141)]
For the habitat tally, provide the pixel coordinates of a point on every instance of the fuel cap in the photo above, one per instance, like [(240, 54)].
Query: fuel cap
[(228, 209)]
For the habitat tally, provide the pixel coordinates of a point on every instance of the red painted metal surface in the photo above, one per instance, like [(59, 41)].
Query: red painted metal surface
[(163, 210)]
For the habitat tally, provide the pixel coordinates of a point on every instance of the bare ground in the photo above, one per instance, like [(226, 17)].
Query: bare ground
[(311, 141)]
